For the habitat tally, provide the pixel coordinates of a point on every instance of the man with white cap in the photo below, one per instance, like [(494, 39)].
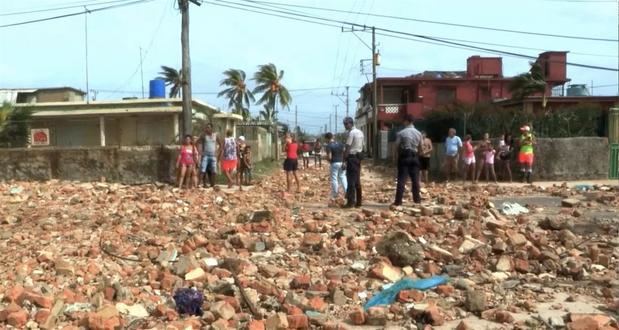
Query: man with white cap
[(526, 156)]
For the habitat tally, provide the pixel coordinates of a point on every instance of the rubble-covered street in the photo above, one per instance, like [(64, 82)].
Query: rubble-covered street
[(108, 256)]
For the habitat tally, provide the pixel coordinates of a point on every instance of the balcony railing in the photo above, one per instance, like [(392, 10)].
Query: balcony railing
[(396, 112)]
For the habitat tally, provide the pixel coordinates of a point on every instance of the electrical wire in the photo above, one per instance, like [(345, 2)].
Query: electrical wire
[(84, 3), (440, 22), (424, 37), (90, 11)]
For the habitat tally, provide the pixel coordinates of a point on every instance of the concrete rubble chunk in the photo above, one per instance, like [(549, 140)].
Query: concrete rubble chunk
[(570, 202), (400, 248)]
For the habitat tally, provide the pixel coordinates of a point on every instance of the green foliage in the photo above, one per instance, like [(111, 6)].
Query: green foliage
[(236, 91), (529, 83), (577, 120), (172, 77), (14, 130), (268, 83)]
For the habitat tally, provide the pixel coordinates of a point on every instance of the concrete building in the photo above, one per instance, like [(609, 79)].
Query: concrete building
[(483, 81), (134, 122), (41, 95)]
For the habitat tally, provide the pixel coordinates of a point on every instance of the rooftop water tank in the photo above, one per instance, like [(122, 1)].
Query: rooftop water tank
[(577, 90), (157, 89)]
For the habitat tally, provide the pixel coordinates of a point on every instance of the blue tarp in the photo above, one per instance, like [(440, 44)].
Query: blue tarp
[(388, 296)]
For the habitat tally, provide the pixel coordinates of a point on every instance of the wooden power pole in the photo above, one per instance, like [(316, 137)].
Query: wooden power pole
[(186, 70)]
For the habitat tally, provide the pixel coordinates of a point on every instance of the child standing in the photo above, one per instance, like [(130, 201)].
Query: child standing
[(468, 158), (229, 162), (186, 161), (291, 164), (246, 165), (489, 155), (505, 154)]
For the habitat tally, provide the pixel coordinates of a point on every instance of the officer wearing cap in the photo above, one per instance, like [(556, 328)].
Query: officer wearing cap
[(407, 143), (353, 155)]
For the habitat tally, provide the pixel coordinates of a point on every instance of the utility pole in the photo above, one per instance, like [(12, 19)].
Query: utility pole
[(375, 95), (347, 100), (142, 72), (330, 127), (335, 119), (296, 123), (86, 12), (186, 70)]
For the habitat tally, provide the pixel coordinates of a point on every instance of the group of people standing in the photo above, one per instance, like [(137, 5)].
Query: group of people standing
[(344, 159), (413, 150), (199, 159)]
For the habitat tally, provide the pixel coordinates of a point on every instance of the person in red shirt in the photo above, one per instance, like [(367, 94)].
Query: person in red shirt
[(306, 148), (291, 164)]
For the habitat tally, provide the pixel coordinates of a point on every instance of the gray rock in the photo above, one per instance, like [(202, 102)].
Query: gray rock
[(475, 301), (400, 248)]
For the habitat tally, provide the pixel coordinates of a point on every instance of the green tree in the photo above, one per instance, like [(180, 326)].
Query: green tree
[(529, 83), (268, 114), (269, 83), (237, 93), (14, 130), (173, 78)]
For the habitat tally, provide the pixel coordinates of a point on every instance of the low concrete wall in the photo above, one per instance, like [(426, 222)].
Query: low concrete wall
[(556, 159), (577, 158), (130, 165)]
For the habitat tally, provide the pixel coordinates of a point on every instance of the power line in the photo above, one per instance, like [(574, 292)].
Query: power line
[(85, 3), (425, 37), (441, 23), (75, 14)]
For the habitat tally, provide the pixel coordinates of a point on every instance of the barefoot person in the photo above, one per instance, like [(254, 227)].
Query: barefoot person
[(186, 161), (452, 152), (306, 148), (468, 157), (246, 166), (525, 157), (353, 154), (425, 153), (240, 153), (407, 145), (317, 153), (291, 164), (489, 156), (210, 146), (505, 154), (483, 146), (335, 156), (229, 161)]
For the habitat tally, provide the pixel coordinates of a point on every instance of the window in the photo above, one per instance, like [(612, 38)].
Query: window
[(445, 95)]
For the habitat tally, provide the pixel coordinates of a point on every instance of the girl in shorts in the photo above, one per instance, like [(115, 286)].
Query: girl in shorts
[(186, 161), (468, 158), (505, 154)]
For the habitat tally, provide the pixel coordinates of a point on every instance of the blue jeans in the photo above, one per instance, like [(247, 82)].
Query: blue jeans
[(208, 164), (337, 174)]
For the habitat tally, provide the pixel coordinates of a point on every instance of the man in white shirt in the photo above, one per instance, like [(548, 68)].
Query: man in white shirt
[(353, 155)]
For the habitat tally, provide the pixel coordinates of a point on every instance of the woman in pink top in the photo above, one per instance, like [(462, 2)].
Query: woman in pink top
[(489, 155), (468, 158), (186, 161)]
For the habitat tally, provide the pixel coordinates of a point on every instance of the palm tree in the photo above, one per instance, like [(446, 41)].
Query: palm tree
[(268, 114), (172, 77), (269, 83), (529, 83), (14, 128), (237, 93)]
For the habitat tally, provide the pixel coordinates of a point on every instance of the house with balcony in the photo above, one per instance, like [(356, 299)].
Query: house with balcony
[(418, 94)]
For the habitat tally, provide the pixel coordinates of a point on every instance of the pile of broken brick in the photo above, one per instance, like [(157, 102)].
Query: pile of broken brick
[(110, 256)]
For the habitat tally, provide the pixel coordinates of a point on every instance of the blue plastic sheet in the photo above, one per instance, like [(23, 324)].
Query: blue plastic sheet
[(388, 296), (583, 187)]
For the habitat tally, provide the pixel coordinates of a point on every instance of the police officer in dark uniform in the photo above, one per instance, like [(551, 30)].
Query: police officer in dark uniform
[(407, 145)]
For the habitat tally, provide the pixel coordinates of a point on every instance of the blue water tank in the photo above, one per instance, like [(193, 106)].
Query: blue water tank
[(157, 89)]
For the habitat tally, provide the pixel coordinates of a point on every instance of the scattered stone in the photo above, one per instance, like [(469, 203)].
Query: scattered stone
[(570, 202), (400, 248), (475, 301)]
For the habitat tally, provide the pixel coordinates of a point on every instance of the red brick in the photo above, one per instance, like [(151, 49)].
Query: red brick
[(521, 265), (39, 300), (503, 317), (301, 282), (434, 316), (292, 309), (109, 293), (41, 316), (17, 319), (408, 296), (583, 324), (14, 294), (298, 322), (318, 304), (256, 325), (445, 290), (357, 317)]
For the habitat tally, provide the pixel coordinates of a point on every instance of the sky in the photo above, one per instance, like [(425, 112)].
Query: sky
[(319, 61)]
